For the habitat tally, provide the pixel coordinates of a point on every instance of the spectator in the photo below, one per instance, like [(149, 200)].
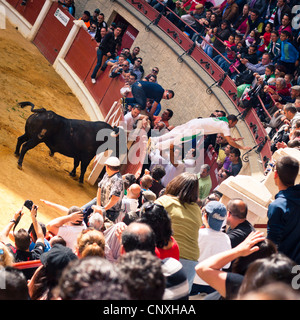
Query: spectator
[(100, 25), (279, 91), (130, 201), (164, 118), (283, 221), (289, 54), (211, 240), (281, 10), (133, 116), (15, 284), (69, 5), (96, 221), (93, 278), (6, 257), (264, 40), (141, 90), (94, 17), (107, 47), (258, 5), (221, 33), (120, 70), (111, 189), (142, 275), (46, 277), (136, 69), (86, 16), (204, 181), (262, 271), (92, 30), (146, 182), (180, 201), (239, 227), (134, 53), (274, 47), (157, 173), (285, 24), (139, 236), (154, 72), (158, 219), (231, 11), (68, 227), (254, 22), (259, 67), (22, 238), (90, 242), (240, 26)]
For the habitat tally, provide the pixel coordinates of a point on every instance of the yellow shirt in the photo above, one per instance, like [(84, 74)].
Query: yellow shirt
[(186, 221)]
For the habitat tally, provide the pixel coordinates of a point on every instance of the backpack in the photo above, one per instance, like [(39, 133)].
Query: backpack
[(244, 77)]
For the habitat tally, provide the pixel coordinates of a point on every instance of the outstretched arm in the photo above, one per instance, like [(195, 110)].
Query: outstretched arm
[(209, 269), (231, 141), (4, 234), (55, 205), (56, 223)]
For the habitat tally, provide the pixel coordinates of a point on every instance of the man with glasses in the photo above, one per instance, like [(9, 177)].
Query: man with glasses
[(137, 68), (121, 69), (143, 90), (154, 72)]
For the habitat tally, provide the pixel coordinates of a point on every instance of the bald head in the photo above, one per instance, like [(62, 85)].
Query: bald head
[(134, 191), (138, 236), (237, 208)]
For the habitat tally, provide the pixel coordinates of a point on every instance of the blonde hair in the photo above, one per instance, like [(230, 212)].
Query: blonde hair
[(91, 242), (6, 258)]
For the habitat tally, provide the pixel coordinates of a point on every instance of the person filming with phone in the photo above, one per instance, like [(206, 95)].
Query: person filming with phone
[(22, 238)]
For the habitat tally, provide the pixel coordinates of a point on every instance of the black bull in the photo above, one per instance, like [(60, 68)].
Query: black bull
[(78, 139)]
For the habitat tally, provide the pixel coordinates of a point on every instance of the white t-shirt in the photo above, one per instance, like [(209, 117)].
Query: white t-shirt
[(209, 125), (129, 120), (210, 243), (70, 234)]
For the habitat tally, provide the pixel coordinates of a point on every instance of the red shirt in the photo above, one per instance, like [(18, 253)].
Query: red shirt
[(173, 252)]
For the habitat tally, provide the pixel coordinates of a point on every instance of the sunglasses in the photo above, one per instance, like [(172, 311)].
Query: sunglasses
[(156, 71)]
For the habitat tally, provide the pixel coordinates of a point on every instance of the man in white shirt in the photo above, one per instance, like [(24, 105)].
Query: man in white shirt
[(194, 128)]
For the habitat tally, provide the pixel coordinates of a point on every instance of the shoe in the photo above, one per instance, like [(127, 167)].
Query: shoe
[(93, 80)]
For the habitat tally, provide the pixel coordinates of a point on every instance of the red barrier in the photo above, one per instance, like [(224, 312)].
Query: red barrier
[(53, 33), (82, 54)]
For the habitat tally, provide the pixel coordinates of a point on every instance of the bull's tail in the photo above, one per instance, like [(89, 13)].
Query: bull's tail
[(27, 103)]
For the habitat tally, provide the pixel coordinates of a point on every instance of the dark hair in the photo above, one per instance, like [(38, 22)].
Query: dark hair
[(266, 249), (141, 273), (287, 168), (15, 284), (83, 273), (158, 219), (172, 93), (277, 267), (288, 34), (133, 74), (185, 186), (158, 172), (271, 67), (128, 180), (22, 239), (142, 240), (235, 151), (170, 112), (232, 117), (275, 32)]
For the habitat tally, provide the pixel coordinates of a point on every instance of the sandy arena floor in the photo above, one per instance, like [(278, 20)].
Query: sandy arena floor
[(25, 75)]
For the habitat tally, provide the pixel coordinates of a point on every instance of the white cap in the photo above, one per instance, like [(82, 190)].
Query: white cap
[(113, 161)]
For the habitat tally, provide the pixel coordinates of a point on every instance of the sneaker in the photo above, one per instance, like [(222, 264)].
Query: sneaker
[(93, 80)]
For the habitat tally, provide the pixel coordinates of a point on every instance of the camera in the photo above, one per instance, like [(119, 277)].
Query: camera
[(28, 204)]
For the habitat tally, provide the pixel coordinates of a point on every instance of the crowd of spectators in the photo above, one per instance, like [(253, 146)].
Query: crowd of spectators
[(167, 235)]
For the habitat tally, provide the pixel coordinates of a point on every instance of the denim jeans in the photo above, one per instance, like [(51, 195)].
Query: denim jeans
[(100, 55), (138, 96), (189, 269)]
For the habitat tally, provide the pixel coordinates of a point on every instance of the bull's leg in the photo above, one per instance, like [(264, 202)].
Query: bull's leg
[(30, 144), (21, 140), (76, 164), (83, 166)]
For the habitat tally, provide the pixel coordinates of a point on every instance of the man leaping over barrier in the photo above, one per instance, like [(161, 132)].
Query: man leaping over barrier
[(193, 129)]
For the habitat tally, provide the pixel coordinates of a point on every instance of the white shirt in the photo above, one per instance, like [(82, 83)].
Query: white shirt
[(210, 243), (129, 120), (209, 125), (70, 234)]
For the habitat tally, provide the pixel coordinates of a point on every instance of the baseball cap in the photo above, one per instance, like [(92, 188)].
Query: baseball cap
[(97, 11), (57, 258), (216, 214), (113, 161)]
